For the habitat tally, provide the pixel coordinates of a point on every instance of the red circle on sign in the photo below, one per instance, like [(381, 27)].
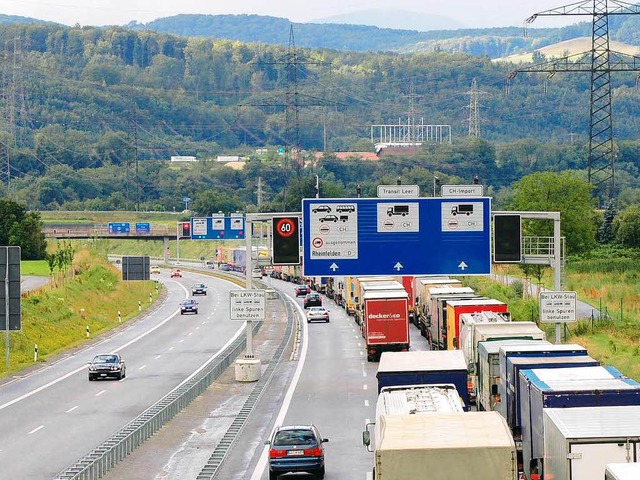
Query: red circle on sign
[(286, 227), (317, 242)]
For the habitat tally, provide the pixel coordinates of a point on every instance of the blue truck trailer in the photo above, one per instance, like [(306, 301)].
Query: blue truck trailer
[(569, 387), (507, 402), (424, 368)]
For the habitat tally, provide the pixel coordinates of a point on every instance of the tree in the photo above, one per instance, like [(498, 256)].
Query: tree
[(605, 231), (21, 228), (626, 227), (563, 192)]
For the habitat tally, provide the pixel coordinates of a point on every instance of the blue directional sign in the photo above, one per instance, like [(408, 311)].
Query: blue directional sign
[(402, 236), (143, 228), (218, 227), (119, 227)]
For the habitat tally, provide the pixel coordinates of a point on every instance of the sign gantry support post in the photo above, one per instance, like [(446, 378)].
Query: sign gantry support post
[(248, 267)]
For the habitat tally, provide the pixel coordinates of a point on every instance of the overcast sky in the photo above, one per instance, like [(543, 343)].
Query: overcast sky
[(471, 13)]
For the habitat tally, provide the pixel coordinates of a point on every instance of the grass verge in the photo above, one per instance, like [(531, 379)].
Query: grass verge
[(56, 319)]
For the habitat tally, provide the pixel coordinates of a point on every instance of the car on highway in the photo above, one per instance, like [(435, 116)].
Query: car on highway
[(154, 269), (109, 365), (188, 306), (176, 273), (225, 267), (302, 290), (199, 289), (256, 273), (296, 449), (320, 314), (312, 300)]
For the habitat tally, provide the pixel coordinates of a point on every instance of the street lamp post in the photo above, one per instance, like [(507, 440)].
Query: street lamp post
[(436, 183)]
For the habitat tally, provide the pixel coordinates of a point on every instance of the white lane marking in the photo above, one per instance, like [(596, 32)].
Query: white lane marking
[(361, 352), (190, 333), (170, 348), (100, 393), (36, 429), (140, 368), (71, 409), (262, 463), (366, 403), (181, 340), (197, 328), (157, 357), (365, 387)]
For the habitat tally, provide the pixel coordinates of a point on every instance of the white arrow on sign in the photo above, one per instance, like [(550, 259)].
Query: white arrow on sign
[(334, 267), (462, 266), (398, 266)]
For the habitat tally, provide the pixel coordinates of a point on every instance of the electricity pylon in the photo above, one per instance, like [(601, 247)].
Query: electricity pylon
[(600, 62)]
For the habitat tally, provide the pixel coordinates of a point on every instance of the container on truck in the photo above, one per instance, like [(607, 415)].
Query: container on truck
[(470, 445), (488, 370), (415, 400), (435, 328), (423, 306), (424, 368), (622, 471), (385, 324), (421, 285), (507, 403), (580, 442), (380, 285), (356, 286), (567, 388), (408, 284), (455, 308)]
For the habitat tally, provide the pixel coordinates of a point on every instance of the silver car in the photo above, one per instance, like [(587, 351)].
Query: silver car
[(320, 314)]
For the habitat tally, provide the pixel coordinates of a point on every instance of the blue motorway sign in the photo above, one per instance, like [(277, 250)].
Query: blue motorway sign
[(402, 236), (119, 227), (217, 227), (143, 228)]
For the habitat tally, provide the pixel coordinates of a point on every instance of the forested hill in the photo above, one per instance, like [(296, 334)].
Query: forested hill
[(492, 42), (88, 102)]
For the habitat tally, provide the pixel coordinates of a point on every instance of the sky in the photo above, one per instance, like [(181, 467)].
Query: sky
[(470, 13)]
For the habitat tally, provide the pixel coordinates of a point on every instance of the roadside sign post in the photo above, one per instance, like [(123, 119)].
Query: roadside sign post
[(10, 312)]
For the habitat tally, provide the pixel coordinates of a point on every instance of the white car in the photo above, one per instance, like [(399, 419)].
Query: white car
[(256, 273), (317, 313)]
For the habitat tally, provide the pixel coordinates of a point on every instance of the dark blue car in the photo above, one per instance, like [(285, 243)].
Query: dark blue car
[(296, 449)]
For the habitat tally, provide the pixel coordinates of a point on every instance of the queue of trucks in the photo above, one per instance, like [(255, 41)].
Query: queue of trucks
[(529, 409)]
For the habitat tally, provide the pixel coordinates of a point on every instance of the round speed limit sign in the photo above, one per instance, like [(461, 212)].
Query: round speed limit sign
[(286, 227)]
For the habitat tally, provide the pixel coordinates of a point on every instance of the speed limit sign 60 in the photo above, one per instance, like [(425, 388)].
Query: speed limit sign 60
[(286, 241)]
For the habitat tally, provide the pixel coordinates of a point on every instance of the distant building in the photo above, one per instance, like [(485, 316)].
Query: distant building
[(183, 158), (230, 158)]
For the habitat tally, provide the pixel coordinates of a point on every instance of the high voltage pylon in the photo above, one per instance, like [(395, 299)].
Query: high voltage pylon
[(600, 62), (474, 111)]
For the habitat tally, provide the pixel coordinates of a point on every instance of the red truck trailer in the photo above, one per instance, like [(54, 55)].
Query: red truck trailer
[(385, 322)]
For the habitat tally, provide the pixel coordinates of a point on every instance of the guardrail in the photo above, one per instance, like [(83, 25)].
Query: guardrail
[(104, 457)]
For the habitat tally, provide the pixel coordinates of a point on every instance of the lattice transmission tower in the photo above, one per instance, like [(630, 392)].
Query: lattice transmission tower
[(474, 110), (600, 61)]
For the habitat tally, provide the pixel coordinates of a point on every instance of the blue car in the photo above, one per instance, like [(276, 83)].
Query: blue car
[(296, 449)]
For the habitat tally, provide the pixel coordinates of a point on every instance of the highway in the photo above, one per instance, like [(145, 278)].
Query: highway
[(325, 379), (53, 416)]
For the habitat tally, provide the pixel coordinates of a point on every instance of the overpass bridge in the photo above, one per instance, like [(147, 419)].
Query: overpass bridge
[(157, 232)]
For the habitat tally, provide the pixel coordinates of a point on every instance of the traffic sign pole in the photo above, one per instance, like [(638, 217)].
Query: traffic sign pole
[(247, 241)]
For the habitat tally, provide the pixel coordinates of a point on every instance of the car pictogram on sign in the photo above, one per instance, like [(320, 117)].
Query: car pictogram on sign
[(317, 242)]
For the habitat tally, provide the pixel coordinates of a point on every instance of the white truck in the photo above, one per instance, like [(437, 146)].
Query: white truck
[(413, 400), (579, 442), (456, 446), (622, 471)]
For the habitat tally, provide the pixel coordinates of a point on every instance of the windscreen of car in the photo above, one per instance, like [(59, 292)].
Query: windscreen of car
[(105, 359), (294, 437)]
